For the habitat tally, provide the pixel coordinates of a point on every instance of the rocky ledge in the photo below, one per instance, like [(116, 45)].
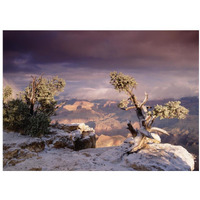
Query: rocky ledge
[(17, 148), (57, 152)]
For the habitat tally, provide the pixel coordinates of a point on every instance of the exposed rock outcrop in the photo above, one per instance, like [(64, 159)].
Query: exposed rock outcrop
[(154, 157), (159, 157), (17, 148), (74, 136)]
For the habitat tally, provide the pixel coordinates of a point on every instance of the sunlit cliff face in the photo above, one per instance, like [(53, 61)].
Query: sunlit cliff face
[(164, 63), (79, 104)]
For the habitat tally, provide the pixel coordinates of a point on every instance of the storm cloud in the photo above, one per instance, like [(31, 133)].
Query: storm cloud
[(165, 63)]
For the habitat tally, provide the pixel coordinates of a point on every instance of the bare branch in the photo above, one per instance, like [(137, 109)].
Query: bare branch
[(144, 108), (131, 129), (147, 119), (145, 100), (153, 129), (129, 108)]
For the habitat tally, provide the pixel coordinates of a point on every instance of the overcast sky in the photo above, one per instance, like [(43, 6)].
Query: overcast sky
[(164, 63)]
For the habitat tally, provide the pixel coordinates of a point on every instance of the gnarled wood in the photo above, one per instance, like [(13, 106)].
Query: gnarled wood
[(155, 129), (131, 129), (129, 108), (145, 100)]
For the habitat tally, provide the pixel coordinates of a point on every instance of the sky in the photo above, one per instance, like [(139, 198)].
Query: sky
[(164, 63)]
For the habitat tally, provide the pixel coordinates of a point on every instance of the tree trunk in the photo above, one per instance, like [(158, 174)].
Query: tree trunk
[(132, 130), (32, 109)]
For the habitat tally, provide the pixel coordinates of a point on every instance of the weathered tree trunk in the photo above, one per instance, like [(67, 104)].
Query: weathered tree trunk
[(132, 130), (35, 83), (143, 126)]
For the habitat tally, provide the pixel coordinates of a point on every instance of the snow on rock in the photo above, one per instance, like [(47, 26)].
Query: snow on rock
[(75, 136), (161, 157), (18, 147), (154, 157)]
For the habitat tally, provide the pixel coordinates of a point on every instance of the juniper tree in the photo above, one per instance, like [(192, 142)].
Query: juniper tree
[(31, 114), (146, 114), (41, 92)]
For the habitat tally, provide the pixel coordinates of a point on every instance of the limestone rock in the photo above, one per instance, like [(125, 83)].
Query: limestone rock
[(12, 156), (35, 145), (58, 156), (161, 157), (17, 148), (75, 136), (156, 157)]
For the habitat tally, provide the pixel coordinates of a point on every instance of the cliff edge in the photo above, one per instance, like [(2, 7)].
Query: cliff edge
[(59, 152)]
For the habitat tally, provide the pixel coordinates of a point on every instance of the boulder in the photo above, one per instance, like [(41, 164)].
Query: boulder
[(159, 157), (74, 136)]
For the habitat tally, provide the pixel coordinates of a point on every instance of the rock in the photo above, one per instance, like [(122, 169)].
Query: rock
[(62, 141), (85, 142), (80, 136), (35, 145), (54, 153), (12, 156), (161, 157), (154, 158)]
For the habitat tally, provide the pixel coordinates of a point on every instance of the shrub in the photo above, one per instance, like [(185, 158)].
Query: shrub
[(15, 115), (38, 125)]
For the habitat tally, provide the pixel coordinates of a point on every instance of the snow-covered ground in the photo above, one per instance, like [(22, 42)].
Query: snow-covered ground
[(155, 157)]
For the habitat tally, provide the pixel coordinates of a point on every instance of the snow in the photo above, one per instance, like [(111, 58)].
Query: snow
[(155, 157)]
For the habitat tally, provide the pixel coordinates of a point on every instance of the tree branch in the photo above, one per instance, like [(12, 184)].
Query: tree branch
[(151, 121), (145, 100), (129, 108), (131, 129), (147, 119), (159, 130)]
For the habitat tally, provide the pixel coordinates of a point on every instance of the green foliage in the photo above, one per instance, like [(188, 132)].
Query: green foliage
[(122, 82), (7, 93), (38, 125), (15, 115), (42, 93), (125, 83), (170, 110), (123, 104)]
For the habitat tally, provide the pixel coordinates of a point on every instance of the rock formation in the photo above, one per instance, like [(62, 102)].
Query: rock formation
[(17, 148), (56, 152)]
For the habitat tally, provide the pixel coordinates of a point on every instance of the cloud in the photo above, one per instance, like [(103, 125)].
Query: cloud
[(103, 49), (165, 63)]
